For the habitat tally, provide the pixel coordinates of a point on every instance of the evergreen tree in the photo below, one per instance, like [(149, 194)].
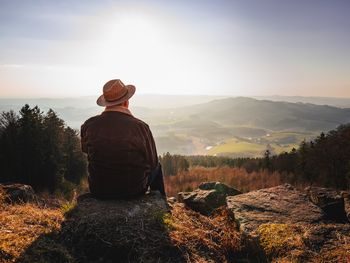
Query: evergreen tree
[(31, 145), (39, 150), (74, 159), (267, 160), (9, 146)]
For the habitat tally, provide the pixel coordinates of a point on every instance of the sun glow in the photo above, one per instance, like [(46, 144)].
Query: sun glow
[(154, 55), (129, 46), (169, 49)]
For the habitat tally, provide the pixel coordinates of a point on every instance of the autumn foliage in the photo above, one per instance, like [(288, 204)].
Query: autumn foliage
[(235, 177)]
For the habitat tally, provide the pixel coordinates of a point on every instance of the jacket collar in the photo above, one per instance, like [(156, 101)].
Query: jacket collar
[(119, 109)]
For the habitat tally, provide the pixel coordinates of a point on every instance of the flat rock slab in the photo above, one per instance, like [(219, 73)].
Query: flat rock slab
[(280, 204)]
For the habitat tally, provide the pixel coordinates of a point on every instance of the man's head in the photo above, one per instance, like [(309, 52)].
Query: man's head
[(116, 93)]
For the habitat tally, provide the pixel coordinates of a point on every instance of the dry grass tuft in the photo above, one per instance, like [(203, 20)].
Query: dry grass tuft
[(204, 239), (2, 197), (340, 254), (20, 225)]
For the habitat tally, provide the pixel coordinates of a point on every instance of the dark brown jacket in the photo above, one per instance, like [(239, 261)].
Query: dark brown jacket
[(121, 153)]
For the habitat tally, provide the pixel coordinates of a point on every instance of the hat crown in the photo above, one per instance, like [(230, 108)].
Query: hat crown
[(115, 93), (114, 90)]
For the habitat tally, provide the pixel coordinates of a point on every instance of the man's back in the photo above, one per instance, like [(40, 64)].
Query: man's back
[(121, 153)]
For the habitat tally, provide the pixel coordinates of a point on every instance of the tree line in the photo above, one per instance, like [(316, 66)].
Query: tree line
[(38, 149), (324, 161)]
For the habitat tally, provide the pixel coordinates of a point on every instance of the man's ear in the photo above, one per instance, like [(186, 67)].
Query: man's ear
[(126, 104)]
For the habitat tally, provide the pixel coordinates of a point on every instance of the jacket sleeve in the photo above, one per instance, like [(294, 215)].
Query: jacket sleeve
[(83, 139), (151, 151)]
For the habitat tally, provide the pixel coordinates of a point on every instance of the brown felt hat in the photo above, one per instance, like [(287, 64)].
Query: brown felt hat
[(115, 92)]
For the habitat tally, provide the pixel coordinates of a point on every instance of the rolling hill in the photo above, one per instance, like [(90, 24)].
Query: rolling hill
[(237, 126)]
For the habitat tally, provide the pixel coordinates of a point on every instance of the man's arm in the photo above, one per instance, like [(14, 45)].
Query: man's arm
[(151, 150), (83, 139)]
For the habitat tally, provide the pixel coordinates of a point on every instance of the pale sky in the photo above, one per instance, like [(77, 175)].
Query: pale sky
[(239, 48)]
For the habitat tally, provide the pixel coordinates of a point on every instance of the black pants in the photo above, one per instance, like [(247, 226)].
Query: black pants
[(156, 180)]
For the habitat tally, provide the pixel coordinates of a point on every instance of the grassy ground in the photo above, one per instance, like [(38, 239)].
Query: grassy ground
[(32, 233), (21, 225)]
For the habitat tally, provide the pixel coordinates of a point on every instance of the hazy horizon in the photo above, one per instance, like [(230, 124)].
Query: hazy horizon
[(176, 95), (235, 48)]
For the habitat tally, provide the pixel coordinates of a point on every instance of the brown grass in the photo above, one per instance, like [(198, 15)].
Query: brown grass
[(203, 239), (339, 254), (235, 177), (22, 224), (2, 197)]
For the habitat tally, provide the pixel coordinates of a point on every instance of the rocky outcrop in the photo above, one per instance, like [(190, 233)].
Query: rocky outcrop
[(119, 230), (330, 201), (18, 193), (280, 204), (208, 197), (293, 226)]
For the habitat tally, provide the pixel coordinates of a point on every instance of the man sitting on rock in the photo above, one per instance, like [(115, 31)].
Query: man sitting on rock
[(122, 155)]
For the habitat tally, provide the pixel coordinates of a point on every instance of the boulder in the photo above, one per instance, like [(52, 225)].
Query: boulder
[(330, 201), (208, 197), (202, 201), (18, 193), (119, 230), (280, 204), (219, 187)]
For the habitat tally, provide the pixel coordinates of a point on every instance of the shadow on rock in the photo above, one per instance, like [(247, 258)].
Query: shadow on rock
[(109, 231)]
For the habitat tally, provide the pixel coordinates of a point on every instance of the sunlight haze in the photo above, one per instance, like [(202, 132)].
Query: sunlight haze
[(237, 48)]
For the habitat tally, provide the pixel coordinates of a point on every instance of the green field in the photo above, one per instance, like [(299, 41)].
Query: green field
[(276, 142)]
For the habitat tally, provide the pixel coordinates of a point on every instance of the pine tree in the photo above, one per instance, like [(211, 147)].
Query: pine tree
[(39, 150)]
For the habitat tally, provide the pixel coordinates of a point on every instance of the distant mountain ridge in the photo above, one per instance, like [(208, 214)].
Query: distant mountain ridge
[(167, 101), (240, 126), (267, 114), (331, 101)]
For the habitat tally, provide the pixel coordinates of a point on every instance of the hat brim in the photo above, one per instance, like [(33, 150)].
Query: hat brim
[(101, 101)]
